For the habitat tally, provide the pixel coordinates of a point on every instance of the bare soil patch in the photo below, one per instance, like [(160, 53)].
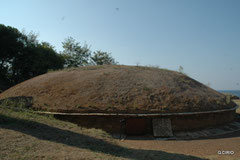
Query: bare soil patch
[(205, 148)]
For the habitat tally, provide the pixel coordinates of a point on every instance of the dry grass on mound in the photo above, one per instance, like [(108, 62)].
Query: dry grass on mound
[(122, 89)]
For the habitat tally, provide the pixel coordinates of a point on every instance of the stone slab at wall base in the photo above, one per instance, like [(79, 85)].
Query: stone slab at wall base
[(162, 127)]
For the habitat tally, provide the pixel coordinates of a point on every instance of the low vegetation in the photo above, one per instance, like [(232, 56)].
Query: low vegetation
[(26, 135), (231, 96), (237, 101)]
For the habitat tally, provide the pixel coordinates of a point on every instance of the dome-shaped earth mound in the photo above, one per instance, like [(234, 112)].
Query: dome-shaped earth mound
[(118, 89)]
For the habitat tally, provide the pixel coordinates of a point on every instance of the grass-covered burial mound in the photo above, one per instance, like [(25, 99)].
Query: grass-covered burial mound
[(122, 89), (126, 90)]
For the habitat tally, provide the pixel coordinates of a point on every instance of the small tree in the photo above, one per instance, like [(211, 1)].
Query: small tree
[(101, 58), (180, 69), (74, 54), (208, 84)]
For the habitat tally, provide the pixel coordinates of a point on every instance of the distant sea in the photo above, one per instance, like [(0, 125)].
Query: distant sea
[(235, 92)]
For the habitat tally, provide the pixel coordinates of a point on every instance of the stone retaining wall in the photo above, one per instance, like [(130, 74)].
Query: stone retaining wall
[(117, 123)]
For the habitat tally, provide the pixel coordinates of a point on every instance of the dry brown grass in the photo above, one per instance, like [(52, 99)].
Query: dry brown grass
[(130, 89), (25, 135)]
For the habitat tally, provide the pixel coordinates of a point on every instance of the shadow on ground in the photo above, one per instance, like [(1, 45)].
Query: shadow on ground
[(53, 134)]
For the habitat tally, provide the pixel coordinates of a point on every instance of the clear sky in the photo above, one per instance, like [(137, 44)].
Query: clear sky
[(203, 36)]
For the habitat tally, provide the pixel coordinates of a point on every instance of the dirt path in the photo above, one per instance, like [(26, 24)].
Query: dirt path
[(207, 148)]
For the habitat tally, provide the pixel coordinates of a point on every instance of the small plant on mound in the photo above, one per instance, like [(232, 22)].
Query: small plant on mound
[(180, 69), (228, 99)]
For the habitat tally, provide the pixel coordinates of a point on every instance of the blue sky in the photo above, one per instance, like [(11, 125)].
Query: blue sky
[(203, 36)]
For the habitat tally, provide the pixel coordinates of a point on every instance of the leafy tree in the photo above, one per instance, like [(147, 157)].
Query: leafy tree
[(11, 45), (74, 54), (36, 60), (32, 38), (23, 57), (101, 58)]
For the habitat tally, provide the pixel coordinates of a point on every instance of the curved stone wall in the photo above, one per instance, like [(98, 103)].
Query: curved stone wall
[(143, 123)]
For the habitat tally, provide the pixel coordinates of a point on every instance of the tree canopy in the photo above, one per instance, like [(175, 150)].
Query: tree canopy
[(22, 56), (101, 58), (74, 54)]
